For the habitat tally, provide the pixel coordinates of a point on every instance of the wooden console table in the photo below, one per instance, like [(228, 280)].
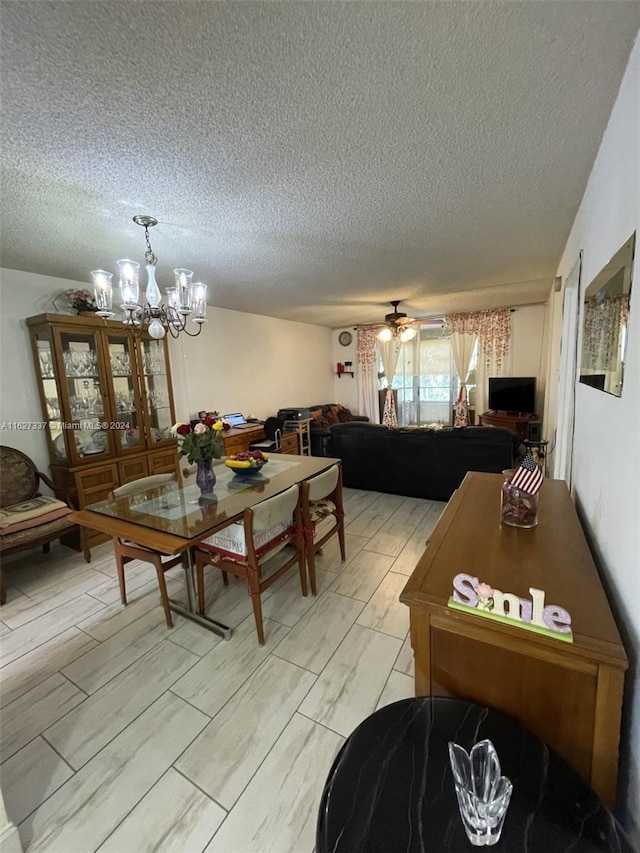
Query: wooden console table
[(568, 694), (517, 423)]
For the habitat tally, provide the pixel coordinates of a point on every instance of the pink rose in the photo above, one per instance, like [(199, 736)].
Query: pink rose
[(200, 428), (483, 590)]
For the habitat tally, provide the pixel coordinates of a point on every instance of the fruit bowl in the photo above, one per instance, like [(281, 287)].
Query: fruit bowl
[(248, 463)]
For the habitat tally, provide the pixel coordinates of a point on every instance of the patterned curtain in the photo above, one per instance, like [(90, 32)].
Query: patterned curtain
[(604, 320), (367, 373), (390, 351), (493, 329)]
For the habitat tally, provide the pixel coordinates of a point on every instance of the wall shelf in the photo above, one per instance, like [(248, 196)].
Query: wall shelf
[(346, 373)]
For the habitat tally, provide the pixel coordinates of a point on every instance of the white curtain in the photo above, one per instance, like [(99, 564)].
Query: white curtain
[(462, 346), (367, 374), (389, 351)]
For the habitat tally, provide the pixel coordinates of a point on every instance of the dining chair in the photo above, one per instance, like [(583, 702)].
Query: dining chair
[(322, 516), (126, 550), (245, 549)]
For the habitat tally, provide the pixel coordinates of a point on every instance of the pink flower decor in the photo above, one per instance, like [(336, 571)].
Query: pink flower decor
[(200, 429), (483, 590)]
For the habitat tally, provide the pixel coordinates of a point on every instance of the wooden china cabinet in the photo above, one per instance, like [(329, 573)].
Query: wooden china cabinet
[(107, 402)]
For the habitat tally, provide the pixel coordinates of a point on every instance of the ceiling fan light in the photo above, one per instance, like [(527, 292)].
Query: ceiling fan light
[(408, 334), (385, 335)]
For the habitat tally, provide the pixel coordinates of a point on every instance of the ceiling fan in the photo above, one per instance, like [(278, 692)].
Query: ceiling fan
[(398, 325)]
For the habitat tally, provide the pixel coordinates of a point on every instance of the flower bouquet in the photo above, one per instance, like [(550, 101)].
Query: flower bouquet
[(200, 445), (80, 300), (203, 441)]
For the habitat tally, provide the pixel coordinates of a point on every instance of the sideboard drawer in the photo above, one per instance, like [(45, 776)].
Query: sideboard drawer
[(163, 461), (132, 469)]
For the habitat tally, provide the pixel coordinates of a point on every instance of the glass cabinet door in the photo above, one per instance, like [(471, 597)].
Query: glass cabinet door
[(52, 407), (157, 389), (87, 417), (127, 427)]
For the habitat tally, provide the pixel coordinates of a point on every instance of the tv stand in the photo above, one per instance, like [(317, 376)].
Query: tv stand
[(518, 422)]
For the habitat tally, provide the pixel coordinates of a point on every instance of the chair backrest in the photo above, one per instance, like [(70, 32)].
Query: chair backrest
[(273, 511), (272, 426), (152, 482), (324, 484), (19, 477)]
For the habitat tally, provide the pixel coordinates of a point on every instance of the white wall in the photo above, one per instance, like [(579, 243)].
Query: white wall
[(528, 356), (251, 364), (606, 460), (345, 387), (240, 362)]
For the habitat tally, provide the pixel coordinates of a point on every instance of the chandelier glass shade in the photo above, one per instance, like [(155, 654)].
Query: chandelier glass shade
[(186, 299), (404, 333)]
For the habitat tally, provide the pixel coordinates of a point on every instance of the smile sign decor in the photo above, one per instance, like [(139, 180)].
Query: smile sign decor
[(472, 596)]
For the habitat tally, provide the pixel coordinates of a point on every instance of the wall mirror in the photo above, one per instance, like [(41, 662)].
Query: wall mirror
[(604, 323)]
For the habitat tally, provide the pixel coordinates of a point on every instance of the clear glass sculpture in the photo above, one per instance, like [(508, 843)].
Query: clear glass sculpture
[(483, 793)]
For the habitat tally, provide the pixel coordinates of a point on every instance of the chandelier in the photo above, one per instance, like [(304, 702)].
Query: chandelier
[(186, 299)]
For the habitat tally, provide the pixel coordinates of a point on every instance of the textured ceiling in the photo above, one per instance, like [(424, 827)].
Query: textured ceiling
[(309, 160)]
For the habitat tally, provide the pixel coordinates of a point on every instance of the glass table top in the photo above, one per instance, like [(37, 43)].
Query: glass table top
[(179, 509)]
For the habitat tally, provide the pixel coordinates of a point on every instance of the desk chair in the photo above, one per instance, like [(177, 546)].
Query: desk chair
[(268, 527), (321, 500), (125, 550), (273, 431)]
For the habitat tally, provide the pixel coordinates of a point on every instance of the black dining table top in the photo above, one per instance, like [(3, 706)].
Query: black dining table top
[(391, 788)]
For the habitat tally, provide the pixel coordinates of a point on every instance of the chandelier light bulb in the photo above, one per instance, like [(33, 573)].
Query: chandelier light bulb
[(199, 301), (156, 329), (103, 291), (129, 281)]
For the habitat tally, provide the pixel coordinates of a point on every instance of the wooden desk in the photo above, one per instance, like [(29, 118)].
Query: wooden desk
[(568, 694), (238, 440)]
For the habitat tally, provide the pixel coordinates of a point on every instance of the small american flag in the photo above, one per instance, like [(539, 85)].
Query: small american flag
[(528, 476)]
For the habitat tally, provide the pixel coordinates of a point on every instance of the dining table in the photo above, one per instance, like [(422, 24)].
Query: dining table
[(175, 517)]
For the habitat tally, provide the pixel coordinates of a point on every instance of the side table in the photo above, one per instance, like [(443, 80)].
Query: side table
[(391, 788), (302, 428)]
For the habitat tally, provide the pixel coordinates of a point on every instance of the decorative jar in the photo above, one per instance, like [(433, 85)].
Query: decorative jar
[(519, 508)]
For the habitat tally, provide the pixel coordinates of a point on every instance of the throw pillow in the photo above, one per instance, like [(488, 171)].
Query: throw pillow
[(331, 414)]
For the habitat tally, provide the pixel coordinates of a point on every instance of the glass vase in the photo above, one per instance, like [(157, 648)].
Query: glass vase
[(519, 508), (483, 792), (205, 476)]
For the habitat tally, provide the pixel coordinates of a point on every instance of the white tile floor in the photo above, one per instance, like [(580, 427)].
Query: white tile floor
[(121, 736)]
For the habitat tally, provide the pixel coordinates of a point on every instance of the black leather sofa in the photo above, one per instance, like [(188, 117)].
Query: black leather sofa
[(419, 462), (320, 431)]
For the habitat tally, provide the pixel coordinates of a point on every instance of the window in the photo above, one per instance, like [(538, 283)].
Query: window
[(426, 381)]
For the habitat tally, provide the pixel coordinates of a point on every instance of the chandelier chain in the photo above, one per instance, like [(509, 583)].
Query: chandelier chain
[(149, 256)]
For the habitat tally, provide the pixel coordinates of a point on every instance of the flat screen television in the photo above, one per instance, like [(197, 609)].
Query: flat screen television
[(512, 394)]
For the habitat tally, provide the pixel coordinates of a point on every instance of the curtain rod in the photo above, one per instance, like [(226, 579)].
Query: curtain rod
[(440, 317)]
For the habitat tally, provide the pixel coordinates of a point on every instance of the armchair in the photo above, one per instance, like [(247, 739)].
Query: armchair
[(27, 518)]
